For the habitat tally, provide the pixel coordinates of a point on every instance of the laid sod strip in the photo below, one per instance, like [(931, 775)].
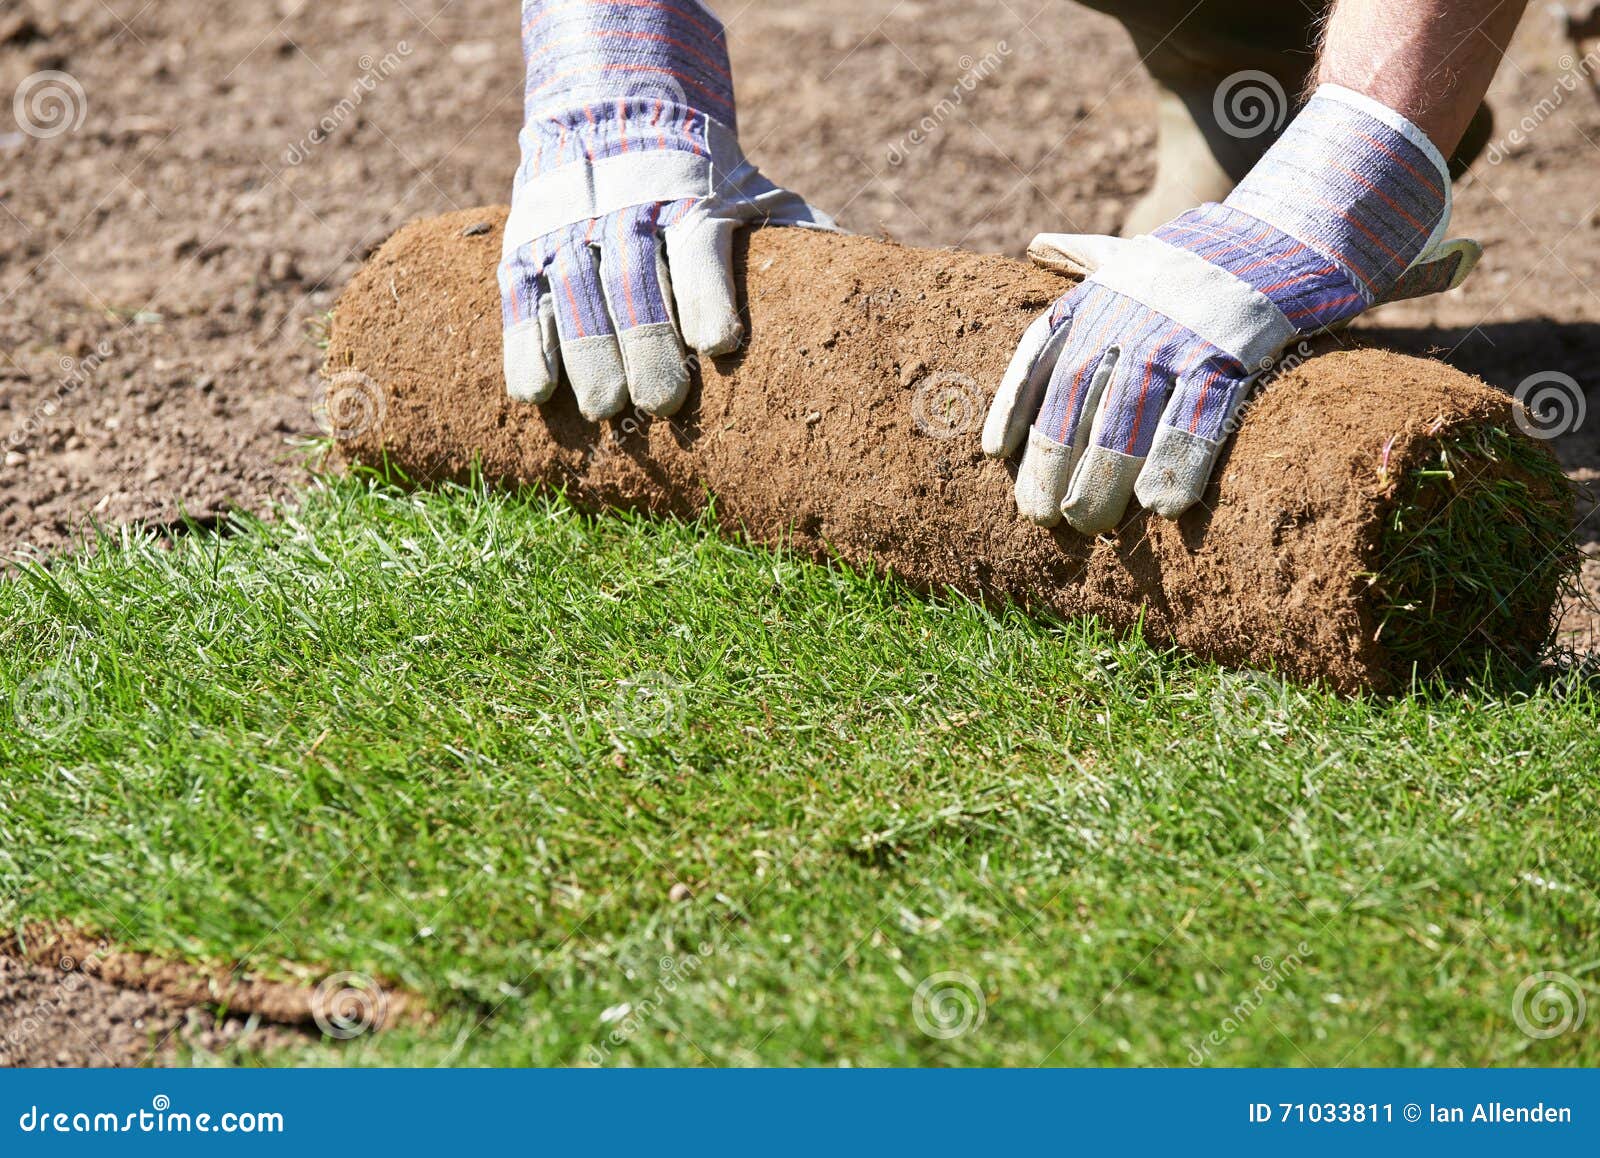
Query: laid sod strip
[(848, 428), (1475, 549), (632, 791)]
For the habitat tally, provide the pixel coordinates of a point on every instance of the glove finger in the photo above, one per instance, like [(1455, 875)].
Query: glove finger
[(802, 212), (1054, 451), (632, 277), (1042, 479), (1074, 254), (531, 359), (1077, 381), (1188, 440), (589, 350), (1124, 424), (700, 259), (760, 202), (1022, 387), (1440, 269), (741, 193)]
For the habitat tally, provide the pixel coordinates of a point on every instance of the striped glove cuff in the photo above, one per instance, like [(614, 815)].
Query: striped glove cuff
[(578, 55), (1332, 216)]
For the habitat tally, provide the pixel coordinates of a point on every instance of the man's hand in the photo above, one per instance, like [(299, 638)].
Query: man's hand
[(1142, 367), (1130, 383), (622, 215)]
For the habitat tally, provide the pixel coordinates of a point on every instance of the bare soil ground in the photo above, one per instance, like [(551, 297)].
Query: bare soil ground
[(166, 258), (72, 999), (56, 1016)]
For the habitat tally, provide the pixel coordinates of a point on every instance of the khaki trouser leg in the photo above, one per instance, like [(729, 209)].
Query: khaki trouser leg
[(1193, 52)]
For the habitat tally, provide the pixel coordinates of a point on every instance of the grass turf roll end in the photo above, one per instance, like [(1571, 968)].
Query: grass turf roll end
[(1376, 517), (1475, 550)]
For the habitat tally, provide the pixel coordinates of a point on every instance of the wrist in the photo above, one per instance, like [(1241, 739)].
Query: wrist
[(1357, 184), (1332, 215), (632, 56)]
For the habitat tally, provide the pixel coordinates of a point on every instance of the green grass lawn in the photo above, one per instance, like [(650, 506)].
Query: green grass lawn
[(470, 743)]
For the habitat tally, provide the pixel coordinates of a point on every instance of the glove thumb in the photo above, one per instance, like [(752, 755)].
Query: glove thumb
[(1074, 254), (1441, 268)]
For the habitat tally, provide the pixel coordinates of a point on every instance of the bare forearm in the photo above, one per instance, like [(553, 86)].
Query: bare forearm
[(1429, 60)]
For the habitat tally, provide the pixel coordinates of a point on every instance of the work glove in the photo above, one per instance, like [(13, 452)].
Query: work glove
[(622, 215), (1131, 382)]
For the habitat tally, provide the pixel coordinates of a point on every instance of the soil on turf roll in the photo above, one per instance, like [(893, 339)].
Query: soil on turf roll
[(849, 426)]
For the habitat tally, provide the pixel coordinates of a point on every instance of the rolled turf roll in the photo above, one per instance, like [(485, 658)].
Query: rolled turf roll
[(1377, 515)]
